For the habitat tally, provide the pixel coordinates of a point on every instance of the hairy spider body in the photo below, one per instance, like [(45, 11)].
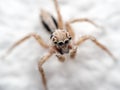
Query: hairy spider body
[(48, 21), (62, 39)]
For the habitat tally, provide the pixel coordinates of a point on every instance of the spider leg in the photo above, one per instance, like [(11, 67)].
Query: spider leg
[(73, 52), (70, 29), (93, 39), (61, 58), (84, 20), (60, 21), (37, 37), (41, 62)]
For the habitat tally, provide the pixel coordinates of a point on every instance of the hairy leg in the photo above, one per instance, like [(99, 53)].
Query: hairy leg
[(93, 39), (73, 52), (70, 29), (83, 20), (41, 62), (37, 37), (60, 21), (60, 57)]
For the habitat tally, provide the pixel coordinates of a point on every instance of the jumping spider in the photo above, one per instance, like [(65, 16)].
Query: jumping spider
[(62, 39)]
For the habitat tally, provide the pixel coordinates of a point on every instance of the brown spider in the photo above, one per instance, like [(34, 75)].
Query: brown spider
[(62, 39)]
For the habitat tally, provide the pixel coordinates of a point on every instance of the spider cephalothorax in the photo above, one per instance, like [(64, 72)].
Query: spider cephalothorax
[(61, 39)]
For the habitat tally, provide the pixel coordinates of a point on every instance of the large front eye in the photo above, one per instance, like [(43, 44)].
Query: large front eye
[(70, 38), (55, 42), (60, 43), (66, 41)]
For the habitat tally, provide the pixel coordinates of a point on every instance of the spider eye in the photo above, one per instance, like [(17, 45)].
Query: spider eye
[(55, 42), (70, 38), (67, 41), (60, 43)]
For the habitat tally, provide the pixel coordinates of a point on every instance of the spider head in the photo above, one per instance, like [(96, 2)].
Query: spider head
[(61, 39)]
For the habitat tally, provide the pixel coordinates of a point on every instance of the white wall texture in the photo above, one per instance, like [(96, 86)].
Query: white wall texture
[(92, 69)]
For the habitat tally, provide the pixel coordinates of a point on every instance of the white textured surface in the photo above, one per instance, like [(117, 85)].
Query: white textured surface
[(92, 69)]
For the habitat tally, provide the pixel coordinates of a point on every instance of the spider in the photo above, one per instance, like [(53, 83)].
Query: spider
[(62, 39)]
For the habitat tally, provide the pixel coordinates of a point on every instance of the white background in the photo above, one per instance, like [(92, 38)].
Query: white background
[(92, 69)]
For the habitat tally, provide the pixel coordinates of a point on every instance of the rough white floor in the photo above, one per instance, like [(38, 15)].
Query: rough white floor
[(92, 69)]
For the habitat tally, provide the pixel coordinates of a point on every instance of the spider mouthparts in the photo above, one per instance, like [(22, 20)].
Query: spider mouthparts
[(65, 50)]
